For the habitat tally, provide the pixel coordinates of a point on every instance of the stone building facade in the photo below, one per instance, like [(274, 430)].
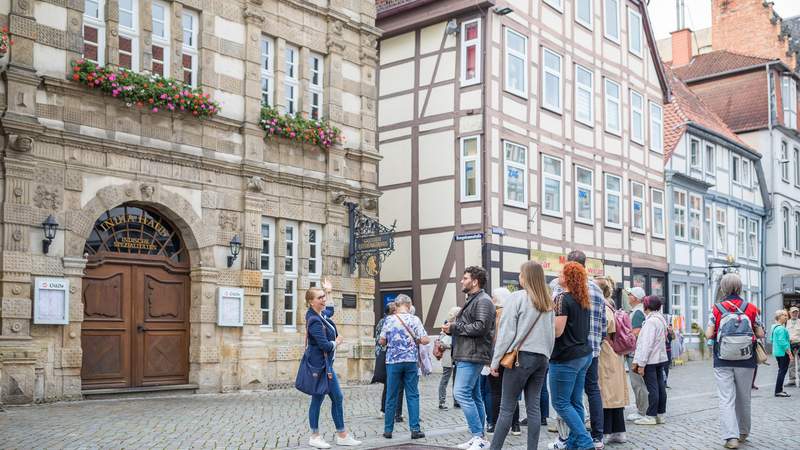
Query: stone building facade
[(85, 158)]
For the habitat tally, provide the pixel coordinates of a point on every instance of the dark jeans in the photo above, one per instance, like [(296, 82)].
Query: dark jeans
[(783, 367), (337, 411), (592, 389), (486, 395), (544, 399), (528, 377), (399, 410), (496, 388), (656, 389), (404, 374)]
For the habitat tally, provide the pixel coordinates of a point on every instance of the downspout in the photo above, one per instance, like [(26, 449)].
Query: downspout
[(768, 216), (486, 158)]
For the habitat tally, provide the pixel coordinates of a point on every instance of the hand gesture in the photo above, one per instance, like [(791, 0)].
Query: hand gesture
[(339, 340), (327, 285), (494, 372), (640, 370)]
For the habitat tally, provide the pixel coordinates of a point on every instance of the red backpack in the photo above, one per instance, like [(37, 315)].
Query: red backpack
[(624, 341)]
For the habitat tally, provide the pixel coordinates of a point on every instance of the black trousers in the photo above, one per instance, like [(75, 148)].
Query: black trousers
[(496, 388), (783, 367), (613, 420), (654, 379)]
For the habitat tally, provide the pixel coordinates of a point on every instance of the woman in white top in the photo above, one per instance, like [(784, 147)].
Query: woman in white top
[(650, 359)]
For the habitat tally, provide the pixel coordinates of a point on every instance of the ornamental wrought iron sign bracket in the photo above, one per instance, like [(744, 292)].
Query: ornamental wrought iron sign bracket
[(370, 241)]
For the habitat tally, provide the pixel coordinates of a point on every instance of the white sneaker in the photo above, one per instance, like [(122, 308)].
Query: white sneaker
[(647, 420), (661, 419), (479, 444), (467, 444), (318, 442), (347, 441), (634, 416), (617, 438), (558, 444)]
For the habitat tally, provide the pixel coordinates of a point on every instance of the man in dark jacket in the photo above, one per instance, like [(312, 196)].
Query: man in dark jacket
[(472, 332)]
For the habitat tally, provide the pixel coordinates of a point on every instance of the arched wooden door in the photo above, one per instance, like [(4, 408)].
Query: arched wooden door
[(135, 329)]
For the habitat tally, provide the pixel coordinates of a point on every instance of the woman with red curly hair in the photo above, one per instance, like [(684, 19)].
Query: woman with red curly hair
[(572, 355)]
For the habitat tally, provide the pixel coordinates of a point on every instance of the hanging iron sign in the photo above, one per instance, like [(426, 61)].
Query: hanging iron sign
[(370, 241)]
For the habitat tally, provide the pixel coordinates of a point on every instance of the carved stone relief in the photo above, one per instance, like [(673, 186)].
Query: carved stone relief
[(47, 198)]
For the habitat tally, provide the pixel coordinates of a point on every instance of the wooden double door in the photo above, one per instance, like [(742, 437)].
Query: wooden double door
[(135, 329)]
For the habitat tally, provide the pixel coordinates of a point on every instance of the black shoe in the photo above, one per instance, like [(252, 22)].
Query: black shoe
[(443, 407), (399, 419), (387, 434), (456, 405), (544, 421), (515, 431), (490, 429), (524, 422), (417, 435)]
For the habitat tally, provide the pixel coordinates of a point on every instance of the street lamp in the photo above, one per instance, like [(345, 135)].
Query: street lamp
[(49, 226), (236, 247)]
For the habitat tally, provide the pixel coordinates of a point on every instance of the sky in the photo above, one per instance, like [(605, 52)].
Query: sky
[(698, 14)]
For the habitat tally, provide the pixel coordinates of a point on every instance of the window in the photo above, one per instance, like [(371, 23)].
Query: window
[(611, 19), (752, 239), (694, 154), (292, 79), (657, 200), (516, 164), (161, 39), (679, 210), (797, 232), (471, 52), (290, 235), (613, 109), (746, 171), (94, 31), (736, 169), (584, 95), (516, 63), (676, 304), (783, 162), (656, 128), (129, 34), (315, 62), (637, 117), (267, 70), (695, 221), (584, 195), (314, 252), (710, 167), (796, 166), (583, 12), (551, 81), (637, 207), (789, 100), (290, 303), (470, 169), (267, 266), (634, 32), (191, 26), (551, 185), (694, 304), (741, 237), (722, 230), (557, 4), (290, 270), (786, 245), (613, 201), (707, 228)]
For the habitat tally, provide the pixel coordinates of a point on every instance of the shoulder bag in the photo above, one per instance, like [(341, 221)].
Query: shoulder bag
[(509, 360), (424, 363), (313, 380)]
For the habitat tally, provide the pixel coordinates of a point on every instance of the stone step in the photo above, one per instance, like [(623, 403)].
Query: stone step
[(140, 392)]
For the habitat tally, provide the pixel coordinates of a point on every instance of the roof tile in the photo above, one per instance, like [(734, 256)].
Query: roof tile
[(716, 62)]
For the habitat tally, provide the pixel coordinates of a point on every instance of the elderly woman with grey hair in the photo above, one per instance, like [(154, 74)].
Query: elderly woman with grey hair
[(499, 297), (734, 376)]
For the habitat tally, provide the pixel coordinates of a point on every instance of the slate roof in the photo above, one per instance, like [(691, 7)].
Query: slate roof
[(716, 62)]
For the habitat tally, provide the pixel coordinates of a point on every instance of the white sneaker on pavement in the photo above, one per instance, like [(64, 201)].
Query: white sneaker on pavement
[(558, 444), (661, 419), (467, 444), (647, 420), (479, 444), (617, 438), (347, 441), (633, 417), (318, 442)]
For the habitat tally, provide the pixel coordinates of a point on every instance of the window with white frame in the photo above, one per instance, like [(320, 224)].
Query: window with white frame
[(516, 179), (786, 244), (190, 23), (637, 207), (584, 195), (291, 82), (637, 117), (797, 232), (656, 127), (516, 63), (552, 171), (161, 38), (290, 235), (470, 169), (557, 4), (741, 237), (657, 212), (316, 64), (694, 304), (634, 32), (611, 19), (314, 252), (267, 70), (752, 239), (796, 166), (695, 220), (722, 229), (470, 52), (551, 80), (746, 171), (783, 161), (128, 14), (584, 95), (711, 169), (94, 31), (290, 303), (613, 112), (679, 212), (676, 304), (290, 257), (695, 162), (789, 100), (707, 218), (267, 266), (613, 191), (583, 12), (736, 168)]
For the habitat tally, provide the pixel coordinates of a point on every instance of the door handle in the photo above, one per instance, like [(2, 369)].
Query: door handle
[(140, 328)]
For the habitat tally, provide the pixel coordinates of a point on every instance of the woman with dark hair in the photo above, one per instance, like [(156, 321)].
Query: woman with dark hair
[(650, 358), (572, 355)]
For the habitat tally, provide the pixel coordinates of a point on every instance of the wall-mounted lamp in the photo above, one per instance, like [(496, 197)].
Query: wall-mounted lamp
[(49, 226), (236, 246), (452, 27), (502, 10)]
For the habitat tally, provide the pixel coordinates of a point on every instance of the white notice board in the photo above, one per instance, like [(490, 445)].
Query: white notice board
[(230, 307), (51, 301)]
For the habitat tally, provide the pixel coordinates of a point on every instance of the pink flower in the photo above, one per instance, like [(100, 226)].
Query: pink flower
[(155, 110), (112, 77)]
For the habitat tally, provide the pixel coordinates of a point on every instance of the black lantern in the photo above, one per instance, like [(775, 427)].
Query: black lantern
[(50, 226), (236, 246)]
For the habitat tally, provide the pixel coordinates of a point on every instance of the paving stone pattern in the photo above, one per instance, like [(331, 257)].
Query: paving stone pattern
[(279, 419)]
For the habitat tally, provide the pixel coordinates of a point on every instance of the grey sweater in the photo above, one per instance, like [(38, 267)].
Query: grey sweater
[(516, 319)]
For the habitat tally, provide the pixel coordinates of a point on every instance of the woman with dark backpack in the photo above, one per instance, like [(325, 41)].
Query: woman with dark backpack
[(611, 368)]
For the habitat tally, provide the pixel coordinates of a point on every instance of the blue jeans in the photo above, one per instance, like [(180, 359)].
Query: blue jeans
[(467, 392), (567, 379), (337, 411), (592, 389), (486, 396), (407, 374)]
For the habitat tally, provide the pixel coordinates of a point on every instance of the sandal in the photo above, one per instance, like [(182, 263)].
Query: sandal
[(782, 394)]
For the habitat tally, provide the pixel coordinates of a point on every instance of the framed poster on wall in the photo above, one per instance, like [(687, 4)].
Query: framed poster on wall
[(230, 307), (51, 301)]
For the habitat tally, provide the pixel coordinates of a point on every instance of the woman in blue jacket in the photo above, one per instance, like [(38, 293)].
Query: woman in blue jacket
[(322, 340)]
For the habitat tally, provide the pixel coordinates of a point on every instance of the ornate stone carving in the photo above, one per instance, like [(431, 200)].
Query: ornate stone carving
[(147, 191), (22, 143), (251, 15), (256, 184), (16, 235), (370, 204), (46, 198), (229, 221), (338, 197), (18, 191)]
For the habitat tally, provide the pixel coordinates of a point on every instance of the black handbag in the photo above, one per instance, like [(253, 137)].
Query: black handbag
[(379, 374)]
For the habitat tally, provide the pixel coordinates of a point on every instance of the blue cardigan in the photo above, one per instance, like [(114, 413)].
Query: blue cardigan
[(321, 338)]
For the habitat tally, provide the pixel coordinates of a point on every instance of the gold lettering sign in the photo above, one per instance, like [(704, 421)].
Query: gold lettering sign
[(553, 263), (135, 243), (112, 222)]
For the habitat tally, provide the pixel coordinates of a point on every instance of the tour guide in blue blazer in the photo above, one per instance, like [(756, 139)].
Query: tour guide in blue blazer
[(322, 338)]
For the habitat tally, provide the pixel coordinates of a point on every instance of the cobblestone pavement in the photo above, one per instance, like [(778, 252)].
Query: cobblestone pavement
[(278, 419)]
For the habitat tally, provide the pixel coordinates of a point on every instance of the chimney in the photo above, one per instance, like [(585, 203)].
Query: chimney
[(681, 47)]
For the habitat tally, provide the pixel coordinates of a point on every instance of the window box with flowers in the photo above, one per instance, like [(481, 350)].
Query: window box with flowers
[(153, 92), (299, 129)]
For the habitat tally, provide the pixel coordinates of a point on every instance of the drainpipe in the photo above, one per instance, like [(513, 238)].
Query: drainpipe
[(768, 216), (486, 157)]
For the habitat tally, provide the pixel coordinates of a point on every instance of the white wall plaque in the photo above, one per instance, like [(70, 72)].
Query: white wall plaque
[(230, 307), (51, 301)]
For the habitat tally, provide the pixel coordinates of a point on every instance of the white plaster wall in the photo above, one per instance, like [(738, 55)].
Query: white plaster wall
[(49, 60), (395, 110), (398, 266), (397, 48), (435, 251), (394, 204), (50, 15), (436, 204), (436, 155), (396, 164), (397, 78)]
